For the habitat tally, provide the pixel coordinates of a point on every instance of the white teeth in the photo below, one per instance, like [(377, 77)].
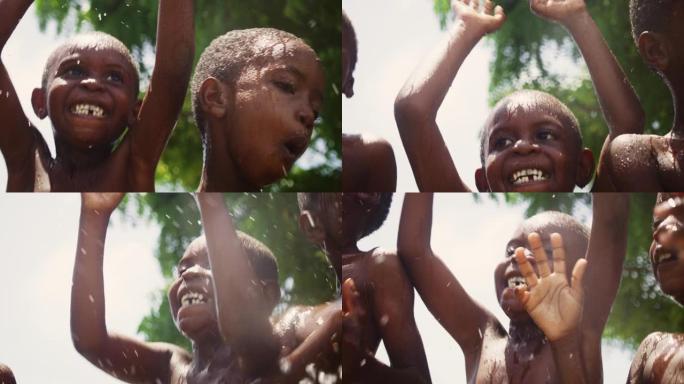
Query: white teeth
[(191, 298), (528, 175), (87, 110), (517, 281), (662, 257)]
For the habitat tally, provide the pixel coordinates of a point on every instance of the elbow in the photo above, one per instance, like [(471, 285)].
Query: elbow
[(409, 110)]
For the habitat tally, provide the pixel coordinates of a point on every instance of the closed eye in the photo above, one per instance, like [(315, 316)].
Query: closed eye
[(285, 87)]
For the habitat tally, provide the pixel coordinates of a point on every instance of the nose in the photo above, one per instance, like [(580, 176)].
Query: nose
[(523, 147), (91, 83), (193, 272), (306, 116)]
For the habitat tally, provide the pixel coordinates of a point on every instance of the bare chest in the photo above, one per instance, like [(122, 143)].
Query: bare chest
[(501, 363)]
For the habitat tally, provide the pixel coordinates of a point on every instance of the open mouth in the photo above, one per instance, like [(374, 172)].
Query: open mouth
[(296, 146), (664, 257), (191, 298), (529, 175), (87, 110), (516, 281)]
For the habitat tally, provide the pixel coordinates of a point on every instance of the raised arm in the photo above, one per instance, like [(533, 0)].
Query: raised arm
[(619, 103), (168, 85), (444, 296), (606, 254), (239, 295), (17, 138), (417, 103), (123, 357)]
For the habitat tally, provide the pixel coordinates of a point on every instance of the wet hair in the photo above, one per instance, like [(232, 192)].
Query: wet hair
[(378, 215), (260, 257), (349, 40), (650, 15), (542, 101), (90, 40), (228, 55), (562, 220)]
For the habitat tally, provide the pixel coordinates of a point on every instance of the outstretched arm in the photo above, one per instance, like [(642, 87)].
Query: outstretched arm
[(16, 132), (168, 85), (554, 305), (435, 283), (238, 293), (619, 103), (416, 106), (125, 358)]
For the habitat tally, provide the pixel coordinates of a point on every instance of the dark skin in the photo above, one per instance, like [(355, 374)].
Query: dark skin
[(523, 354), (652, 163), (520, 131), (385, 295), (280, 100), (104, 79), (227, 346), (6, 375), (369, 165), (660, 356)]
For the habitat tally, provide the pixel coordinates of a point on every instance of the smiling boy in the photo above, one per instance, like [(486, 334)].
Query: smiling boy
[(531, 141), (89, 91), (256, 96)]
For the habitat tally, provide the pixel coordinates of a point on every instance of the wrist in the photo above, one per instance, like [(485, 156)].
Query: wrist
[(568, 343), (96, 213), (577, 21), (468, 28)]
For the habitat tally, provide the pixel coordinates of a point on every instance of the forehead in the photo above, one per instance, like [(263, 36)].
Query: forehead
[(196, 251), (528, 107), (545, 225), (293, 56)]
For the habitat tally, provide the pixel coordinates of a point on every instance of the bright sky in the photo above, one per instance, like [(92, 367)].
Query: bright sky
[(471, 243)]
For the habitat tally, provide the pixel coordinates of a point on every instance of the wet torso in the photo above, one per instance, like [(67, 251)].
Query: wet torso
[(662, 157), (660, 360)]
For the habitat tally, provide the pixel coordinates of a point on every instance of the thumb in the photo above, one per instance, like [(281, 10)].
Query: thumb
[(522, 295), (578, 278), (350, 298)]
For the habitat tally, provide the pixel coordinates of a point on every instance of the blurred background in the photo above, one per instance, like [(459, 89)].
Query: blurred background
[(47, 23)]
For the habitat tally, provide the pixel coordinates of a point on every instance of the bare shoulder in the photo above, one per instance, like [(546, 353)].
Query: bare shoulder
[(634, 162), (385, 267)]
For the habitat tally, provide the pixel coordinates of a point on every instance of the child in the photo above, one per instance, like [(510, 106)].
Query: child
[(6, 375), (256, 95), (231, 345), (531, 141), (660, 358), (643, 163), (336, 222), (89, 90), (369, 164), (523, 354)]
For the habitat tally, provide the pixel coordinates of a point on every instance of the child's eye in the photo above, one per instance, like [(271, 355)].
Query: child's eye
[(114, 77), (545, 136), (510, 251), (285, 87), (502, 143), (74, 71)]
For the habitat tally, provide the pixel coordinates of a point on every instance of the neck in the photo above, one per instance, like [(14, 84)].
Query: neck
[(219, 171), (210, 351), (678, 102), (74, 160)]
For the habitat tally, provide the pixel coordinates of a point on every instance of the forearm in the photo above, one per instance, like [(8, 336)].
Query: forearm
[(175, 46), (88, 328), (568, 358), (374, 371), (11, 12), (620, 105)]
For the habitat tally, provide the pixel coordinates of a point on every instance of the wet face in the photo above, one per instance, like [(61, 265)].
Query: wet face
[(91, 96), (667, 249), (507, 274), (529, 149), (191, 294), (276, 105)]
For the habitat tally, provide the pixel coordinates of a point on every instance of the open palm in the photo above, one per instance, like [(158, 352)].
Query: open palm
[(553, 304), (557, 10), (479, 14)]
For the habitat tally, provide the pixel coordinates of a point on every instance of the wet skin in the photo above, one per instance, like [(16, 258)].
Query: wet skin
[(523, 354), (368, 165), (273, 111), (660, 357), (87, 71)]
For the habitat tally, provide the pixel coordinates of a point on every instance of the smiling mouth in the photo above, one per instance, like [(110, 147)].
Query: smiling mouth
[(516, 281), (89, 110), (530, 175), (192, 298), (665, 257)]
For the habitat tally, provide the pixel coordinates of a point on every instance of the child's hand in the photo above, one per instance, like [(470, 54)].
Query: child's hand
[(486, 18), (554, 305), (558, 10), (353, 315), (101, 203)]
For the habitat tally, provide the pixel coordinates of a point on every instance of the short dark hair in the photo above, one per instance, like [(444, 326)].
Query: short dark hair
[(260, 257), (545, 102), (379, 214), (97, 40), (228, 55), (563, 220), (650, 15), (349, 40)]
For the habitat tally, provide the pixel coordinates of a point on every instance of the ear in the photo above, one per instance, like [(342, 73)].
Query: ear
[(312, 229), (481, 180), (214, 98), (654, 49), (585, 167), (39, 103), (135, 112)]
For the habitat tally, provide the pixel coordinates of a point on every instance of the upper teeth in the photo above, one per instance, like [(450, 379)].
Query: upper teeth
[(517, 281), (664, 256), (87, 110), (192, 298), (528, 175)]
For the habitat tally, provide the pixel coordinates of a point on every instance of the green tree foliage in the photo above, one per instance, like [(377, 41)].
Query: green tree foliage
[(640, 307), (134, 23), (305, 275), (530, 53)]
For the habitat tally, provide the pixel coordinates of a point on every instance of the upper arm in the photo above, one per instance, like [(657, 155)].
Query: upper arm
[(631, 164), (16, 132), (645, 351), (168, 84), (393, 315)]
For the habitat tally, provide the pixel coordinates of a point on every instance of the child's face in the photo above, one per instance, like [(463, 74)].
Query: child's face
[(507, 274), (191, 294), (91, 96), (529, 150), (276, 105), (667, 250)]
